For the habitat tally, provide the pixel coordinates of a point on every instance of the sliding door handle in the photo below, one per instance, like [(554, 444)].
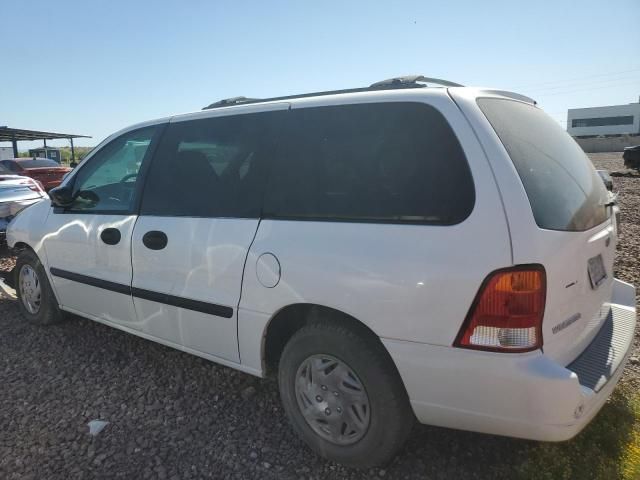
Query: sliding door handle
[(155, 240)]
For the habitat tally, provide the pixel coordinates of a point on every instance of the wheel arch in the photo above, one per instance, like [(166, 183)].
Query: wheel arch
[(291, 318), (21, 246), (18, 246)]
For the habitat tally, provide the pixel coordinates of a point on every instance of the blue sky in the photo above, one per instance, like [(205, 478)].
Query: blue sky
[(93, 67)]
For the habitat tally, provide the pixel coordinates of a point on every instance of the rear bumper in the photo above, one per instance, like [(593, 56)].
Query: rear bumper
[(518, 395)]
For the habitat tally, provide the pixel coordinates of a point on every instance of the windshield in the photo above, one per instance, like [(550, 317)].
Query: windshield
[(563, 187), (38, 163)]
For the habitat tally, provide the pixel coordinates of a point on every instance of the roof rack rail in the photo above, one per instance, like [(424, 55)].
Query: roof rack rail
[(225, 102), (411, 81)]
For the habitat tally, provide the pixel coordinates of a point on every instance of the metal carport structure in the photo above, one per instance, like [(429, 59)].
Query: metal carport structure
[(14, 135)]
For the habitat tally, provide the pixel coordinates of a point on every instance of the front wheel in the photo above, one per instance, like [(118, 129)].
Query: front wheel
[(35, 296), (343, 395)]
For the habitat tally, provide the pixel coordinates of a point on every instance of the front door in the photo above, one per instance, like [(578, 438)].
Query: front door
[(89, 247), (200, 212)]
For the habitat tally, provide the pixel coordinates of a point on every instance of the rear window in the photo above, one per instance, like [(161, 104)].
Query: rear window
[(38, 163), (380, 162), (564, 190)]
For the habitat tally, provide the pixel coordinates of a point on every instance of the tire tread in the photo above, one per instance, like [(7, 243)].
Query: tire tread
[(398, 415)]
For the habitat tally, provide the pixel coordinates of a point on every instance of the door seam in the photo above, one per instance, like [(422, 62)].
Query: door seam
[(244, 267), (133, 302)]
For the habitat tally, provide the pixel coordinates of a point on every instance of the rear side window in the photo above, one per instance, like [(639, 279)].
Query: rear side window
[(12, 166), (563, 187), (383, 162), (212, 167)]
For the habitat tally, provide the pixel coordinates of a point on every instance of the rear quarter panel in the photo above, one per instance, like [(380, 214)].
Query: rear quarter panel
[(409, 282), (563, 254)]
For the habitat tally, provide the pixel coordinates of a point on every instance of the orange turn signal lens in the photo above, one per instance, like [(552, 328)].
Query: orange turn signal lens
[(507, 312)]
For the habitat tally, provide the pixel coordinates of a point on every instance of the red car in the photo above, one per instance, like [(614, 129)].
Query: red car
[(48, 172)]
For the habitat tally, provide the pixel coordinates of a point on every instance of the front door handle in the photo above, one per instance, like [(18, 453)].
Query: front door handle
[(111, 236), (155, 240)]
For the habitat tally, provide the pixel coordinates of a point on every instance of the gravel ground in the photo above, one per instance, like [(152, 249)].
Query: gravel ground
[(173, 415), (627, 265)]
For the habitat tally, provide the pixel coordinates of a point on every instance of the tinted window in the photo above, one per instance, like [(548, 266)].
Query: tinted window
[(602, 121), (38, 163), (390, 162), (11, 165), (563, 187), (214, 167), (107, 182)]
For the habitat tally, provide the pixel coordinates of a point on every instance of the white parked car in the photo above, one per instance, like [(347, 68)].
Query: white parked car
[(391, 253), (16, 193)]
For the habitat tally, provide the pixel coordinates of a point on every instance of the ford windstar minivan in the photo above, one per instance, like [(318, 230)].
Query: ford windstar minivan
[(411, 250)]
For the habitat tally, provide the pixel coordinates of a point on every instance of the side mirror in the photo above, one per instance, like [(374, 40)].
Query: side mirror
[(606, 179), (61, 196)]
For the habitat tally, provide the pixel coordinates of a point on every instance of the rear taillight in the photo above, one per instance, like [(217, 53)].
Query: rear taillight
[(506, 315)]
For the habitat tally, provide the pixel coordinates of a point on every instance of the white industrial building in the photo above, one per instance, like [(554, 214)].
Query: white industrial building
[(600, 121)]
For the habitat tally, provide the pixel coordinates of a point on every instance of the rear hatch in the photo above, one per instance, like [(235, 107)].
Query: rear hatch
[(573, 234)]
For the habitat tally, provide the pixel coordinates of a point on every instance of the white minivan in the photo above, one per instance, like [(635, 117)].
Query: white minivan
[(390, 253)]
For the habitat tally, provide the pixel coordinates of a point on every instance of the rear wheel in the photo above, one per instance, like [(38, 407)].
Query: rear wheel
[(343, 395), (35, 296)]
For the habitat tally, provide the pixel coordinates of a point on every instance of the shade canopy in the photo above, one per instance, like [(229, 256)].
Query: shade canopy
[(16, 134)]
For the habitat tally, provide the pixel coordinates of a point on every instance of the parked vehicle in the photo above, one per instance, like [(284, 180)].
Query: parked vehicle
[(48, 172), (605, 176), (16, 193), (389, 253), (612, 201), (631, 157)]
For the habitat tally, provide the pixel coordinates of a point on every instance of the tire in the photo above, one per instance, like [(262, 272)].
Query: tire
[(356, 364), (35, 297)]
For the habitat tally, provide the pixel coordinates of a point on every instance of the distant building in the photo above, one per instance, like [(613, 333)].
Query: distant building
[(604, 121), (46, 152), (6, 153)]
